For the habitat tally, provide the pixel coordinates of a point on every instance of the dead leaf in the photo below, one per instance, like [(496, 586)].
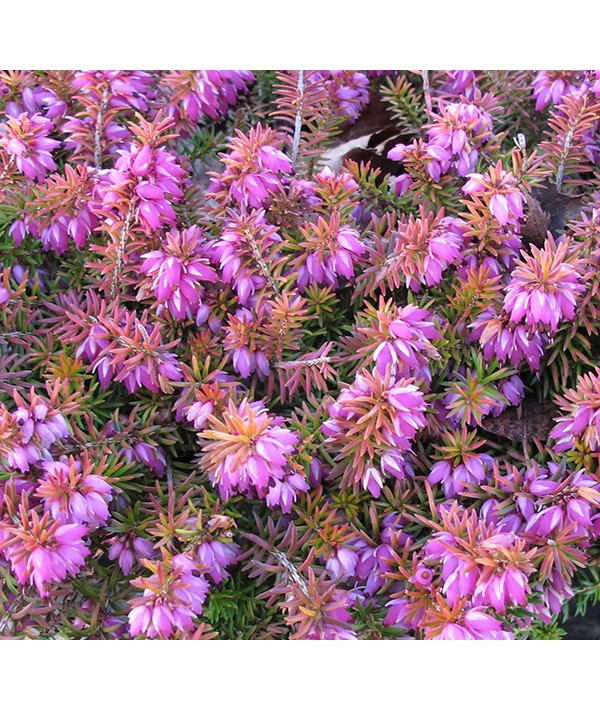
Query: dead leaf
[(368, 139), (521, 424), (560, 208), (535, 229)]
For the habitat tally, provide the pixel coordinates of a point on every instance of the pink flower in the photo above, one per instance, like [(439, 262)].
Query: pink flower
[(460, 83), (125, 88), (504, 578), (247, 451), (235, 252), (504, 340), (562, 499), (475, 625), (177, 271), (42, 552), (74, 495), (34, 427), (217, 557), (457, 134), (240, 342), (341, 563), (471, 469), (193, 95), (498, 190), (26, 139), (581, 423), (173, 596), (544, 287), (153, 177), (399, 339), (425, 246), (348, 90), (371, 423), (283, 493), (129, 549), (549, 87), (255, 169), (330, 251), (150, 455)]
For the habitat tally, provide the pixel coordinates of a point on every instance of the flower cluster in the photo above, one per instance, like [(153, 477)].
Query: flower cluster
[(72, 494), (544, 288), (151, 177), (456, 136), (255, 169), (581, 422), (347, 91), (41, 551), (248, 452), (330, 375), (177, 271), (460, 463), (497, 190), (504, 340), (371, 426), (194, 95), (330, 250), (25, 139), (399, 339), (27, 433), (173, 596), (426, 245)]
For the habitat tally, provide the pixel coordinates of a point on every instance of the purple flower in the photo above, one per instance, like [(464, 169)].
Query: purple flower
[(72, 494), (348, 91), (42, 552), (173, 596), (399, 339), (425, 246), (193, 95), (255, 169), (330, 251), (457, 134), (177, 271), (248, 452), (26, 139), (498, 189), (562, 499), (128, 549), (154, 177), (549, 87), (371, 424), (217, 557), (239, 342), (544, 287), (475, 624), (581, 424), (474, 469), (341, 563), (35, 426), (235, 252), (504, 340)]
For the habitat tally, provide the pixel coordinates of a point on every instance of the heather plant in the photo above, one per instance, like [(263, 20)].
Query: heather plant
[(298, 354)]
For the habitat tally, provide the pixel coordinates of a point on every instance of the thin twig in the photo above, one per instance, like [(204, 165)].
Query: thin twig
[(291, 570), (560, 173), (121, 251), (298, 121), (426, 89), (263, 266), (98, 129), (303, 363)]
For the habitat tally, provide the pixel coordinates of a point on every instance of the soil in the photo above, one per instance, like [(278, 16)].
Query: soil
[(586, 627)]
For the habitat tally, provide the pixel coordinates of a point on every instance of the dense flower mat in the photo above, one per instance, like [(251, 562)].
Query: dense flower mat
[(306, 355)]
